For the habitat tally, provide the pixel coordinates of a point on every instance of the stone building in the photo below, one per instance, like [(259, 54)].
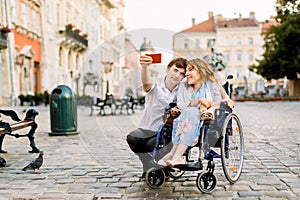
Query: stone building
[(238, 39), (63, 42)]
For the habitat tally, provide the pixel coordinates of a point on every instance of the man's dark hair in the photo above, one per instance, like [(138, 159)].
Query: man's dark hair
[(178, 62)]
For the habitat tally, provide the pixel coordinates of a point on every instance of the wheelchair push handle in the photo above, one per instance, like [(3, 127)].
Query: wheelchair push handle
[(227, 85)]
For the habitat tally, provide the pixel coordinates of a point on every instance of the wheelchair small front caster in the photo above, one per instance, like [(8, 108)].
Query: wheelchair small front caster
[(206, 182), (155, 177), (174, 173)]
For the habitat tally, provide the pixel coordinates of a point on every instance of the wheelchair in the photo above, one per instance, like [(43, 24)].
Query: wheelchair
[(224, 133)]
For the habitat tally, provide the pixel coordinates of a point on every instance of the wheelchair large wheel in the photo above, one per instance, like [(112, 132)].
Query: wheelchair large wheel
[(206, 182), (155, 177), (232, 148)]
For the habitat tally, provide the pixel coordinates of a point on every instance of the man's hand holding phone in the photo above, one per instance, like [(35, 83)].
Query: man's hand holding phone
[(148, 59), (156, 57)]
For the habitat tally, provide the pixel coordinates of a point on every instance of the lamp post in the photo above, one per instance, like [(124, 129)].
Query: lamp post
[(10, 40), (107, 70)]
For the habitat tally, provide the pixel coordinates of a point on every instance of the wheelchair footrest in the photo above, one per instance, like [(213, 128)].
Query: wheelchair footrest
[(190, 166)]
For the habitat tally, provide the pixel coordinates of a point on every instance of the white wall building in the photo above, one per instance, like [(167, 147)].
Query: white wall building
[(75, 38), (239, 40)]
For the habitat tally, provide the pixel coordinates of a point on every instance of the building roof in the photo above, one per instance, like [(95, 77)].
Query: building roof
[(210, 24), (268, 23), (237, 22), (205, 26)]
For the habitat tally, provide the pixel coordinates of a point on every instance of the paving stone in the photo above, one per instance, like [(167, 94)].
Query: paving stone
[(84, 166), (108, 196), (64, 181), (249, 194), (263, 187), (54, 195)]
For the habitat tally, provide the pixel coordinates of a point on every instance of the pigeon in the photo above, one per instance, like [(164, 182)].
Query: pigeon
[(35, 164)]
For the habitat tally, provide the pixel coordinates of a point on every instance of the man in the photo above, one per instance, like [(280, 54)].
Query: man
[(158, 96)]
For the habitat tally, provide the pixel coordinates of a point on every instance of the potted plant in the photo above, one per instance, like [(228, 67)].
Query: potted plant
[(22, 98), (5, 29), (38, 98)]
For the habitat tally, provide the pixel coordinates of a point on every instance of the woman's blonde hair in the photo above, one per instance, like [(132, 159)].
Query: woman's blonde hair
[(203, 68)]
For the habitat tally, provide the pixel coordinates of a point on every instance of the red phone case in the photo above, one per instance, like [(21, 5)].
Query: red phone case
[(156, 57)]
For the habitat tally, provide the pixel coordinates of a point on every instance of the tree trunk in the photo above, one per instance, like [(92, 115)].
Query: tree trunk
[(294, 87)]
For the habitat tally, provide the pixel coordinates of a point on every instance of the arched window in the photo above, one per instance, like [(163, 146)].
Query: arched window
[(77, 62), (60, 57), (70, 63)]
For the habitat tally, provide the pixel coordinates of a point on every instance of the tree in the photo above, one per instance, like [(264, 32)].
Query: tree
[(282, 47), (90, 78)]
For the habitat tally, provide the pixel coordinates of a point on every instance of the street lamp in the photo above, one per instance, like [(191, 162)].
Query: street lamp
[(107, 69)]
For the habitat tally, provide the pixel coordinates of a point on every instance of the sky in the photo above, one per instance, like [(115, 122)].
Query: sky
[(158, 20)]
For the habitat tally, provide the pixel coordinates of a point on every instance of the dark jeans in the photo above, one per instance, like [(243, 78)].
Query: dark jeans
[(142, 143)]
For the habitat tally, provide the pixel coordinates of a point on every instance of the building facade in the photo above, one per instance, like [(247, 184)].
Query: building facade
[(5, 81), (65, 42), (239, 40)]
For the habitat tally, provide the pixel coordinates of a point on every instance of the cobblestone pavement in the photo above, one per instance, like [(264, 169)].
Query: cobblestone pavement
[(97, 163)]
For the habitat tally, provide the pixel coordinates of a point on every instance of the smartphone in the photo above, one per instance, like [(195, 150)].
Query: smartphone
[(156, 57)]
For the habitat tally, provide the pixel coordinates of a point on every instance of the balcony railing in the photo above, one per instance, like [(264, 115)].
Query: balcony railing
[(3, 40), (69, 32)]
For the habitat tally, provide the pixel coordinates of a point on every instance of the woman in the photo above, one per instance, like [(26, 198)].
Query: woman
[(200, 91)]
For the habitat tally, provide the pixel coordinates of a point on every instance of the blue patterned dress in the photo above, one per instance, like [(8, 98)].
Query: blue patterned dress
[(186, 126)]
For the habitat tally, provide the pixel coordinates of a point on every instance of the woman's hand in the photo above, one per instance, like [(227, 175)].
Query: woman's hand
[(230, 103), (202, 108), (205, 102)]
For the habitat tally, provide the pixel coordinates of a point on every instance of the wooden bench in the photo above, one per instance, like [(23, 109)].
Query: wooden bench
[(18, 124), (127, 103), (102, 103)]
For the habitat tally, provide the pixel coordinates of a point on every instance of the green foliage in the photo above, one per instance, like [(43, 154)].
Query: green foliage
[(285, 8), (282, 45)]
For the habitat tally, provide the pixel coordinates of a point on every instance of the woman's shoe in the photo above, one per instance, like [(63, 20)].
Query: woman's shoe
[(162, 162), (178, 161)]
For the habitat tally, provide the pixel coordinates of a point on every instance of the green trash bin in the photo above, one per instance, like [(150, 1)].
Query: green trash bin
[(63, 111)]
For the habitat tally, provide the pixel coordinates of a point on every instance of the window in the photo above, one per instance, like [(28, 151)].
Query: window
[(239, 56), (250, 41), (58, 14), (70, 61), (77, 62), (239, 41), (61, 57), (211, 43), (25, 16), (69, 14), (239, 72), (250, 56), (227, 57), (198, 46), (36, 22), (186, 43)]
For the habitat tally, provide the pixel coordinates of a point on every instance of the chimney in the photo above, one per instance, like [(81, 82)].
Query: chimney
[(219, 17), (252, 15), (210, 14), (193, 21), (240, 17)]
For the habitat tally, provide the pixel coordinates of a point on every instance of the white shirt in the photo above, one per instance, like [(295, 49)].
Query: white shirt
[(156, 101)]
